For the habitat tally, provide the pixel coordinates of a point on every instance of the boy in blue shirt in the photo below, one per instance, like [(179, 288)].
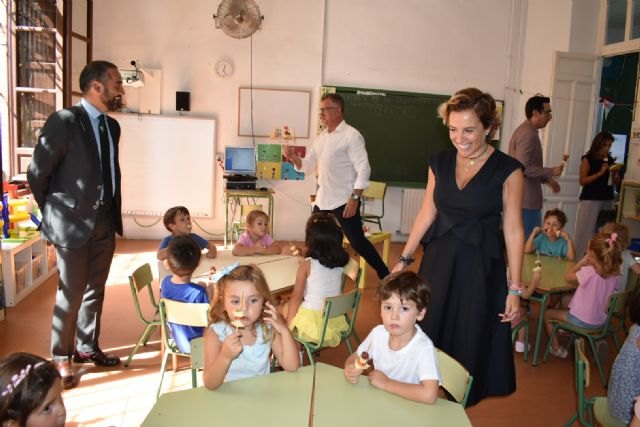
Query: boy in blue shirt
[(183, 257), (178, 221), (551, 239)]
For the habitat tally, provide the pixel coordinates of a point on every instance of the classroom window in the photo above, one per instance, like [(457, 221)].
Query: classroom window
[(616, 21), (42, 58), (635, 20)]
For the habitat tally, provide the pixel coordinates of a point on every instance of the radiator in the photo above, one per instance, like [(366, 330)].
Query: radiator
[(411, 204)]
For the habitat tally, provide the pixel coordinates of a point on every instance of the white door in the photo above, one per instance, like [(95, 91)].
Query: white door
[(573, 99)]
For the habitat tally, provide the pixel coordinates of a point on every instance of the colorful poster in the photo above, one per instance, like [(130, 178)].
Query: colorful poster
[(273, 165)]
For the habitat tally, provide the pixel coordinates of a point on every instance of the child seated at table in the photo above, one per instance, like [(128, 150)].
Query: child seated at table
[(551, 239), (183, 257), (624, 384), (256, 239), (244, 329), (178, 221), (628, 261), (30, 392), (404, 358), (597, 275), (319, 276)]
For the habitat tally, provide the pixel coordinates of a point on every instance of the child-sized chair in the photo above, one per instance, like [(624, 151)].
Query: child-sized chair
[(139, 280), (617, 303), (455, 378), (524, 323), (375, 191), (182, 313), (340, 305), (237, 227), (588, 407)]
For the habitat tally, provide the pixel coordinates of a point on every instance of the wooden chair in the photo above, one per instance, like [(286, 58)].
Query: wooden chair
[(375, 191), (183, 313), (588, 407), (237, 227), (615, 309), (142, 278), (455, 378), (340, 305)]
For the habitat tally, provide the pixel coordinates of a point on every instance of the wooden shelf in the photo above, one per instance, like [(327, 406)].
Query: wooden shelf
[(26, 265)]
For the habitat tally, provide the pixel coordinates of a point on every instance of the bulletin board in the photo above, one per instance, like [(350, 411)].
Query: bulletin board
[(262, 110), (166, 161)]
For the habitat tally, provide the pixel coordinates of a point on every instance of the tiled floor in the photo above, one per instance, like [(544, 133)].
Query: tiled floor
[(123, 396)]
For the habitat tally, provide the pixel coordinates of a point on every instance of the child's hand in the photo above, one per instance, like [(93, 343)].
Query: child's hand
[(274, 319), (565, 235), (351, 373), (232, 347), (536, 231), (378, 379)]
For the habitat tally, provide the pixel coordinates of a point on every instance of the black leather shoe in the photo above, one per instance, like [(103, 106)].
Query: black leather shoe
[(97, 357)]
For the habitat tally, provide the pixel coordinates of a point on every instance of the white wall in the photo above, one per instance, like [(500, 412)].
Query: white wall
[(430, 46)]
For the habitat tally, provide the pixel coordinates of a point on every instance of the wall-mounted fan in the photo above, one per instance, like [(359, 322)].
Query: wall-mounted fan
[(238, 18)]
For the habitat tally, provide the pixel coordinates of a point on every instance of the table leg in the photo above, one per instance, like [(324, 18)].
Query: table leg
[(543, 306), (226, 219), (385, 251)]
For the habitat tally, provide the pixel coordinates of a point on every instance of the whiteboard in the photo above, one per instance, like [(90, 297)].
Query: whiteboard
[(166, 161), (273, 108)]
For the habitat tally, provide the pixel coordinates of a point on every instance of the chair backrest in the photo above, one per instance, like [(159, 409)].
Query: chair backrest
[(182, 313), (340, 305), (617, 305), (375, 190), (140, 279), (455, 377), (353, 272), (245, 209), (582, 380)]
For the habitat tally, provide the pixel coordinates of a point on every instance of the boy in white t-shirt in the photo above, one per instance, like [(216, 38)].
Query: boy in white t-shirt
[(404, 358)]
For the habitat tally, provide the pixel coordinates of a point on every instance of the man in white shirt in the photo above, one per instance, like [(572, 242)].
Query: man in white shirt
[(340, 159)]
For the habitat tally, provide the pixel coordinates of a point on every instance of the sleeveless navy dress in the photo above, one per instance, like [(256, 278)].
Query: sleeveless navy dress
[(464, 263)]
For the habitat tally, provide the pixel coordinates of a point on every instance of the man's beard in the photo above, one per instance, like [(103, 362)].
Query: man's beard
[(113, 103)]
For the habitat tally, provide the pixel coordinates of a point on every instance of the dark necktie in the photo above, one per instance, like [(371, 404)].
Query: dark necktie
[(105, 158)]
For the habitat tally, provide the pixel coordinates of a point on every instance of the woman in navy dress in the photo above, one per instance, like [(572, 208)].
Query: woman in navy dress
[(473, 193)]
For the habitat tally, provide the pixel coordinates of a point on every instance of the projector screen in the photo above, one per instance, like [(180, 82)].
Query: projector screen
[(166, 161)]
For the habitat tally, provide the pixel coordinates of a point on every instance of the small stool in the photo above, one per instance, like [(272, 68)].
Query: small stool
[(381, 236)]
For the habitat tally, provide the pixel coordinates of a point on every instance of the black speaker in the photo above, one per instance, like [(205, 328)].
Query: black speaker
[(182, 101)]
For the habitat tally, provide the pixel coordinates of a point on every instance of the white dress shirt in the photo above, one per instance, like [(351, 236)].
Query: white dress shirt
[(340, 159)]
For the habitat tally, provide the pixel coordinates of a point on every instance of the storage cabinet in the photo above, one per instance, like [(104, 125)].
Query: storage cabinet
[(26, 265), (629, 207)]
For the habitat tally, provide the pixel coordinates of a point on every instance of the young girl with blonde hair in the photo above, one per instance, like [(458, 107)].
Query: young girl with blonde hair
[(244, 329)]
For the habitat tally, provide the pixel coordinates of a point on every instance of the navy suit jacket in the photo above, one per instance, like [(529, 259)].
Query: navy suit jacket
[(66, 180)]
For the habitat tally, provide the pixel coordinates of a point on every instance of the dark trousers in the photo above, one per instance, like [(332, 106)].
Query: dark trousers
[(352, 229), (82, 273)]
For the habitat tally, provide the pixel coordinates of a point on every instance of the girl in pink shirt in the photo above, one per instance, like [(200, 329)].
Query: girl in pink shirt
[(597, 275)]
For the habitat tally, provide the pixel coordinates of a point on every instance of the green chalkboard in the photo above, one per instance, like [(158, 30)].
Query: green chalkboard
[(401, 130)]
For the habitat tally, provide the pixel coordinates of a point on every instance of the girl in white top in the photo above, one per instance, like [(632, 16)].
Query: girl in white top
[(403, 357), (244, 329), (319, 276)]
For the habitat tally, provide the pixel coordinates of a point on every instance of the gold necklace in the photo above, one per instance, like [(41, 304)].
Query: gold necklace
[(472, 160)]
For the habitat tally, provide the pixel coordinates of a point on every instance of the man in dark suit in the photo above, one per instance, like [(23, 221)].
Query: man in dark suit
[(75, 179)]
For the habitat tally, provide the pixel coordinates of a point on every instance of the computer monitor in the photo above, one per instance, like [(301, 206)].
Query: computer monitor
[(239, 161)]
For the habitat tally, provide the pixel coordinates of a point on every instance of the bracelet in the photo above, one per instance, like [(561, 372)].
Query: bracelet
[(514, 288), (515, 292), (407, 260)]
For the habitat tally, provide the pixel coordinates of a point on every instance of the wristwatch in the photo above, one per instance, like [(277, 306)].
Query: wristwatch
[(355, 197), (407, 260)]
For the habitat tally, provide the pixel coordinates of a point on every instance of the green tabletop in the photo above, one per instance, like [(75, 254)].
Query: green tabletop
[(553, 271), (338, 403), (279, 399)]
